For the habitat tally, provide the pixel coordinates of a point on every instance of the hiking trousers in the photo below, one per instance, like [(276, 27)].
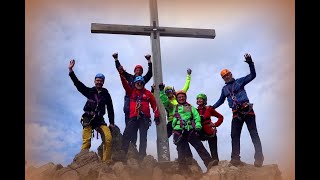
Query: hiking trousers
[(142, 124), (193, 138), (105, 136), (213, 145), (236, 127), (134, 136)]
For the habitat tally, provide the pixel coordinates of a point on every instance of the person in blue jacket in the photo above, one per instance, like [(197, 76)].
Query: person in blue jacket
[(242, 111)]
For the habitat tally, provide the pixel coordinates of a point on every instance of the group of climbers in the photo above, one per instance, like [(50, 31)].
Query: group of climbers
[(186, 123)]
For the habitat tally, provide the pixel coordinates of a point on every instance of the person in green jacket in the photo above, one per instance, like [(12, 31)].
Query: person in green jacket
[(186, 124), (170, 93)]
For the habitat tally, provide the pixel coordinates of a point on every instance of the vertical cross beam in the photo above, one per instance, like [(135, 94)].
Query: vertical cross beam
[(162, 139)]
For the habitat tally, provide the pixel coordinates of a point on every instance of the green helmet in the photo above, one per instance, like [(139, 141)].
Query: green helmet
[(202, 96)]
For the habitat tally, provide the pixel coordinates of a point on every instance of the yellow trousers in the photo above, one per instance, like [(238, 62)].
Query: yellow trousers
[(105, 136)]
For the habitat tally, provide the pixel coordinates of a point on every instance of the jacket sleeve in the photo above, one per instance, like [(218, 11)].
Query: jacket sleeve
[(196, 118), (220, 100), (174, 120), (84, 90), (148, 76), (187, 83), (214, 113), (118, 64), (125, 85), (127, 76), (154, 105), (248, 78), (110, 109), (165, 101)]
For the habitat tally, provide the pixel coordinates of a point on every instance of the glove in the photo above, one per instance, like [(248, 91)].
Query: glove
[(115, 55), (173, 91), (120, 70), (148, 56), (248, 58), (161, 86), (152, 89), (189, 71), (157, 120)]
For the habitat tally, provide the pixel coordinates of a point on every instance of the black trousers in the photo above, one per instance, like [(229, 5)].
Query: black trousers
[(182, 141), (133, 125), (169, 133), (236, 127), (213, 145), (135, 135)]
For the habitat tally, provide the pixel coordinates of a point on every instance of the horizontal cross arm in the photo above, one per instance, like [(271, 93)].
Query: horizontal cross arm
[(188, 32), (147, 30), (119, 29)]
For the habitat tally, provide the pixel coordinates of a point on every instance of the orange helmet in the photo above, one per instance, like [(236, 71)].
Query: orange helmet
[(181, 92), (224, 72)]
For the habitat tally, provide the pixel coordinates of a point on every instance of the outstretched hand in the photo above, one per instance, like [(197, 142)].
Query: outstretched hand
[(189, 71), (71, 64), (248, 58), (161, 86), (115, 55), (148, 57)]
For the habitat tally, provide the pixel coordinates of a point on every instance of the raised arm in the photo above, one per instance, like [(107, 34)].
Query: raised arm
[(187, 83), (118, 64), (148, 76), (248, 78), (84, 90), (124, 82)]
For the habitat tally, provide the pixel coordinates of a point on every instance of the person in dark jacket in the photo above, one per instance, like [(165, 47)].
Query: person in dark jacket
[(242, 111), (94, 110), (138, 71)]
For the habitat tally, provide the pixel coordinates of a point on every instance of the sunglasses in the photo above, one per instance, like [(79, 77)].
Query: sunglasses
[(139, 83)]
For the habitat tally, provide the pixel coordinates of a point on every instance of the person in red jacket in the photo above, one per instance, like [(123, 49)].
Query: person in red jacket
[(139, 114), (209, 131)]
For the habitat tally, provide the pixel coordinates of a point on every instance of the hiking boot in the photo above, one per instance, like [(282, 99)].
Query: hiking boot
[(212, 163), (236, 162), (258, 163)]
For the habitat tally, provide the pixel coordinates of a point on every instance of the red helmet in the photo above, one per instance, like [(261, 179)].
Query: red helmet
[(138, 66)]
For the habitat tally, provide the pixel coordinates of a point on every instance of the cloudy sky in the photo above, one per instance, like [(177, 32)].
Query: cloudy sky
[(57, 31)]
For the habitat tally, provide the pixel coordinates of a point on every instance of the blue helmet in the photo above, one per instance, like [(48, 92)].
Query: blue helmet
[(99, 75), (138, 78)]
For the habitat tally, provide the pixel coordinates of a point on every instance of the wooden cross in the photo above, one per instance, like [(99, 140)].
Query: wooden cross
[(154, 31)]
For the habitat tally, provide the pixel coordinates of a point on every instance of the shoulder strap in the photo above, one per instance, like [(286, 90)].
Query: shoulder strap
[(231, 93), (177, 115), (192, 119)]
